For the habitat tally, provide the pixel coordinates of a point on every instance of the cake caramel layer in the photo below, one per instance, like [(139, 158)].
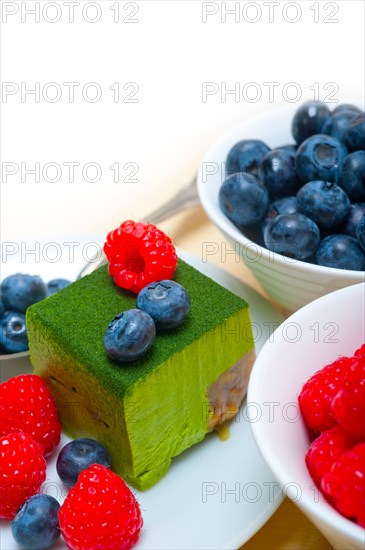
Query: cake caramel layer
[(226, 394)]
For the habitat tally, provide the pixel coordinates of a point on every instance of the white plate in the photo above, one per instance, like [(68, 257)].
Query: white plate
[(217, 494)]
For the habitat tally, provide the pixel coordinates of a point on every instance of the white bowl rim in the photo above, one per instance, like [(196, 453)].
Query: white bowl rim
[(218, 217), (325, 512)]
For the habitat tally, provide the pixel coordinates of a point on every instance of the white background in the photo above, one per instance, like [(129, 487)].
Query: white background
[(169, 52)]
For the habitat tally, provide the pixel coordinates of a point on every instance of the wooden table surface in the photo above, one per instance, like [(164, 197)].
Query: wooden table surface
[(288, 528)]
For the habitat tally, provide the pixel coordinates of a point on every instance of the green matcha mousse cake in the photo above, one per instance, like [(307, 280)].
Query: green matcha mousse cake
[(145, 412)]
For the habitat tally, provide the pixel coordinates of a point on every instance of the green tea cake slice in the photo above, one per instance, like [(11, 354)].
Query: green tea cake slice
[(145, 412)]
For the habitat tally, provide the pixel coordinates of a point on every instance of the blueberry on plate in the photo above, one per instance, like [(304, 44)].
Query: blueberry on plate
[(20, 291), (129, 335), (166, 301), (36, 522), (277, 172), (245, 156), (286, 205), (293, 235), (346, 107), (353, 176), (337, 125), (320, 157), (349, 226), (355, 136), (243, 199), (13, 332), (341, 252), (78, 455), (360, 233), (57, 284), (309, 120), (324, 202)]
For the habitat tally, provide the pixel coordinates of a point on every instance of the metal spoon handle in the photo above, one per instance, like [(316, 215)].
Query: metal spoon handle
[(186, 197)]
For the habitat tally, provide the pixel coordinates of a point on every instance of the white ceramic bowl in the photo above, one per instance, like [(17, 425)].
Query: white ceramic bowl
[(316, 335), (291, 283)]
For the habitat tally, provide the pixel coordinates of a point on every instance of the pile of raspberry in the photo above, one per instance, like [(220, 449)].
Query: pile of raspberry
[(99, 511), (29, 431), (332, 403)]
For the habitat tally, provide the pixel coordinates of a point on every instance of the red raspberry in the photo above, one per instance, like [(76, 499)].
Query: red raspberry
[(22, 471), (27, 405), (325, 450), (139, 254), (349, 404), (360, 352), (344, 485), (315, 399), (100, 512)]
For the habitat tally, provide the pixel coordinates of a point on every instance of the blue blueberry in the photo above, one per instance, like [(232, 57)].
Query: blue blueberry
[(337, 125), (77, 456), (286, 205), (57, 284), (243, 199), (253, 233), (353, 176), (346, 107), (360, 233), (290, 147), (277, 172), (245, 156), (355, 136), (341, 252), (2, 307), (349, 226), (13, 332), (21, 291), (36, 523), (167, 302), (308, 120), (129, 335), (324, 202), (293, 235), (320, 158)]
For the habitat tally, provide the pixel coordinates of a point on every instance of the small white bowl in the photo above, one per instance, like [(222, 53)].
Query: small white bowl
[(291, 283), (311, 338)]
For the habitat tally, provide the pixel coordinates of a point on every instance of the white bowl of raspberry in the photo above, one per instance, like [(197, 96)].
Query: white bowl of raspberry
[(285, 262), (322, 471)]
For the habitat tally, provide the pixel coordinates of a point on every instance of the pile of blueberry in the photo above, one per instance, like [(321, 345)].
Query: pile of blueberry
[(17, 293), (160, 307), (304, 200)]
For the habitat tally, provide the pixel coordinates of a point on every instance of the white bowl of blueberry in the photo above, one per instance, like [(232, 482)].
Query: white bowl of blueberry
[(287, 190)]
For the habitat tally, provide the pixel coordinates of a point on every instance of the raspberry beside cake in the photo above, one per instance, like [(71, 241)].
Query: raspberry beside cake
[(146, 412)]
